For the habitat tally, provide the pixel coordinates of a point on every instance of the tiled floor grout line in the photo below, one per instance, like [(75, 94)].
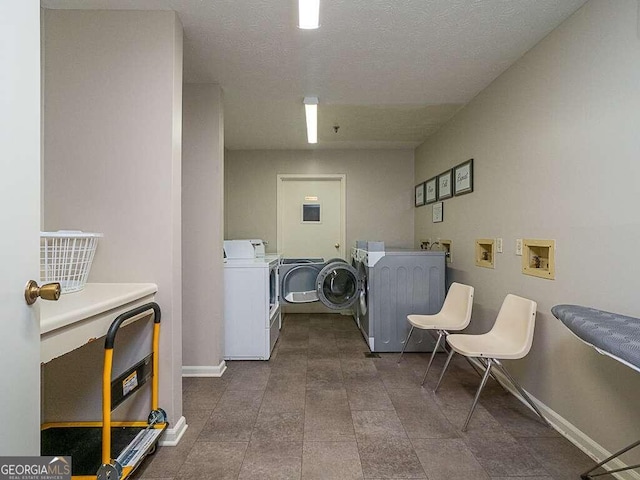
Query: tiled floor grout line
[(403, 427), (550, 474), (304, 408), (255, 422), (355, 436), (460, 436)]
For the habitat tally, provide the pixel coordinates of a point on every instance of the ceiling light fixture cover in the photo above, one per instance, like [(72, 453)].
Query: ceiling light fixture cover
[(311, 112), (308, 14)]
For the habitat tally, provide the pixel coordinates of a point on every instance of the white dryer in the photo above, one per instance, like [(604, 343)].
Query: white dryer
[(252, 317)]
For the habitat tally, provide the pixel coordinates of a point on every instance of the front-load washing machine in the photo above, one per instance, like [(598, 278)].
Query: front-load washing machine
[(397, 283), (334, 283), (354, 263)]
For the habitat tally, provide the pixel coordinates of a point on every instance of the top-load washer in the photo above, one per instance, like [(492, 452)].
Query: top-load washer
[(253, 248), (397, 283), (334, 283)]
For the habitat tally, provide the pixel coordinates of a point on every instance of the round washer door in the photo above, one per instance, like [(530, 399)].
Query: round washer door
[(338, 285), (364, 290)]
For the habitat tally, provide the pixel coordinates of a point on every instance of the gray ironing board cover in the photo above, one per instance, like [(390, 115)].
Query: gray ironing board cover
[(610, 333)]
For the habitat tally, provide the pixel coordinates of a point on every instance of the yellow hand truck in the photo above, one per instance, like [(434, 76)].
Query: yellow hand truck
[(109, 450)]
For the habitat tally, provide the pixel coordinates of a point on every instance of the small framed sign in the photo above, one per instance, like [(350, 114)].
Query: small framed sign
[(419, 195), (437, 212), (444, 185), (463, 178), (431, 190)]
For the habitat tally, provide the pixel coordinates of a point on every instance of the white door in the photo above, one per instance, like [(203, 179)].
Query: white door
[(311, 216), (20, 220)]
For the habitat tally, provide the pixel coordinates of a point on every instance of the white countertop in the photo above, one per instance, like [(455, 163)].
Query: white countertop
[(80, 317)]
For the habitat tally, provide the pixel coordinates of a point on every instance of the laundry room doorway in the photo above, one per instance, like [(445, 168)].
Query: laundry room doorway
[(311, 215)]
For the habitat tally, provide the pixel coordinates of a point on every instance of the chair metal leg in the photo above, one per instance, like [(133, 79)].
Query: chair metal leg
[(480, 359), (522, 392), (485, 377), (588, 475), (405, 344), (446, 365), (433, 354), (436, 333)]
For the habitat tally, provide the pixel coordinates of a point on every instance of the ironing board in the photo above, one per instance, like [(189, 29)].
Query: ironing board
[(611, 334)]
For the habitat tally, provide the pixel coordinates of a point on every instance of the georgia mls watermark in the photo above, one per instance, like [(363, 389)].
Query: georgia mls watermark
[(35, 468)]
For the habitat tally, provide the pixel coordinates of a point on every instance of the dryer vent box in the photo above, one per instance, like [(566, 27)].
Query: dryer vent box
[(538, 258), (485, 252), (446, 246)]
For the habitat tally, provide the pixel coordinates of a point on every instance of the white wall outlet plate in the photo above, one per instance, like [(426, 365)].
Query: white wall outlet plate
[(518, 246), (498, 245)]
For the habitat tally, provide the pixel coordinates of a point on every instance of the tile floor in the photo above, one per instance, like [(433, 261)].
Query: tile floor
[(320, 409)]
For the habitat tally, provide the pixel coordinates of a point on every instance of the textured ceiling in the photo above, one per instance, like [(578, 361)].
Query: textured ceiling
[(388, 72)]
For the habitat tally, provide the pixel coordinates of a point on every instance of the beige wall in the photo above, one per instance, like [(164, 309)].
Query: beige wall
[(112, 145), (556, 148), (379, 191), (202, 228)]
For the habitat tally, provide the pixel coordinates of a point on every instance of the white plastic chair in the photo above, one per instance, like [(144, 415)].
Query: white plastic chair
[(510, 338), (454, 315)]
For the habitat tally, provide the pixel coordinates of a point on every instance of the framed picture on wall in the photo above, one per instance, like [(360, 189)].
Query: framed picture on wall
[(444, 185), (431, 190), (463, 178), (436, 213), (419, 195)]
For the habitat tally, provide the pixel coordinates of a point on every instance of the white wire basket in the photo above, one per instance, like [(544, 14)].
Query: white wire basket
[(66, 256)]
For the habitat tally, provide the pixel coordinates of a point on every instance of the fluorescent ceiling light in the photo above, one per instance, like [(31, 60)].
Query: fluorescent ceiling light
[(311, 112), (308, 14)]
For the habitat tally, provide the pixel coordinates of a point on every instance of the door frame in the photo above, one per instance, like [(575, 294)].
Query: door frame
[(342, 177)]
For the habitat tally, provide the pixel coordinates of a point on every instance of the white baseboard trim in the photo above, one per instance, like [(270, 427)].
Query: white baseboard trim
[(572, 433), (172, 436), (204, 371)]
